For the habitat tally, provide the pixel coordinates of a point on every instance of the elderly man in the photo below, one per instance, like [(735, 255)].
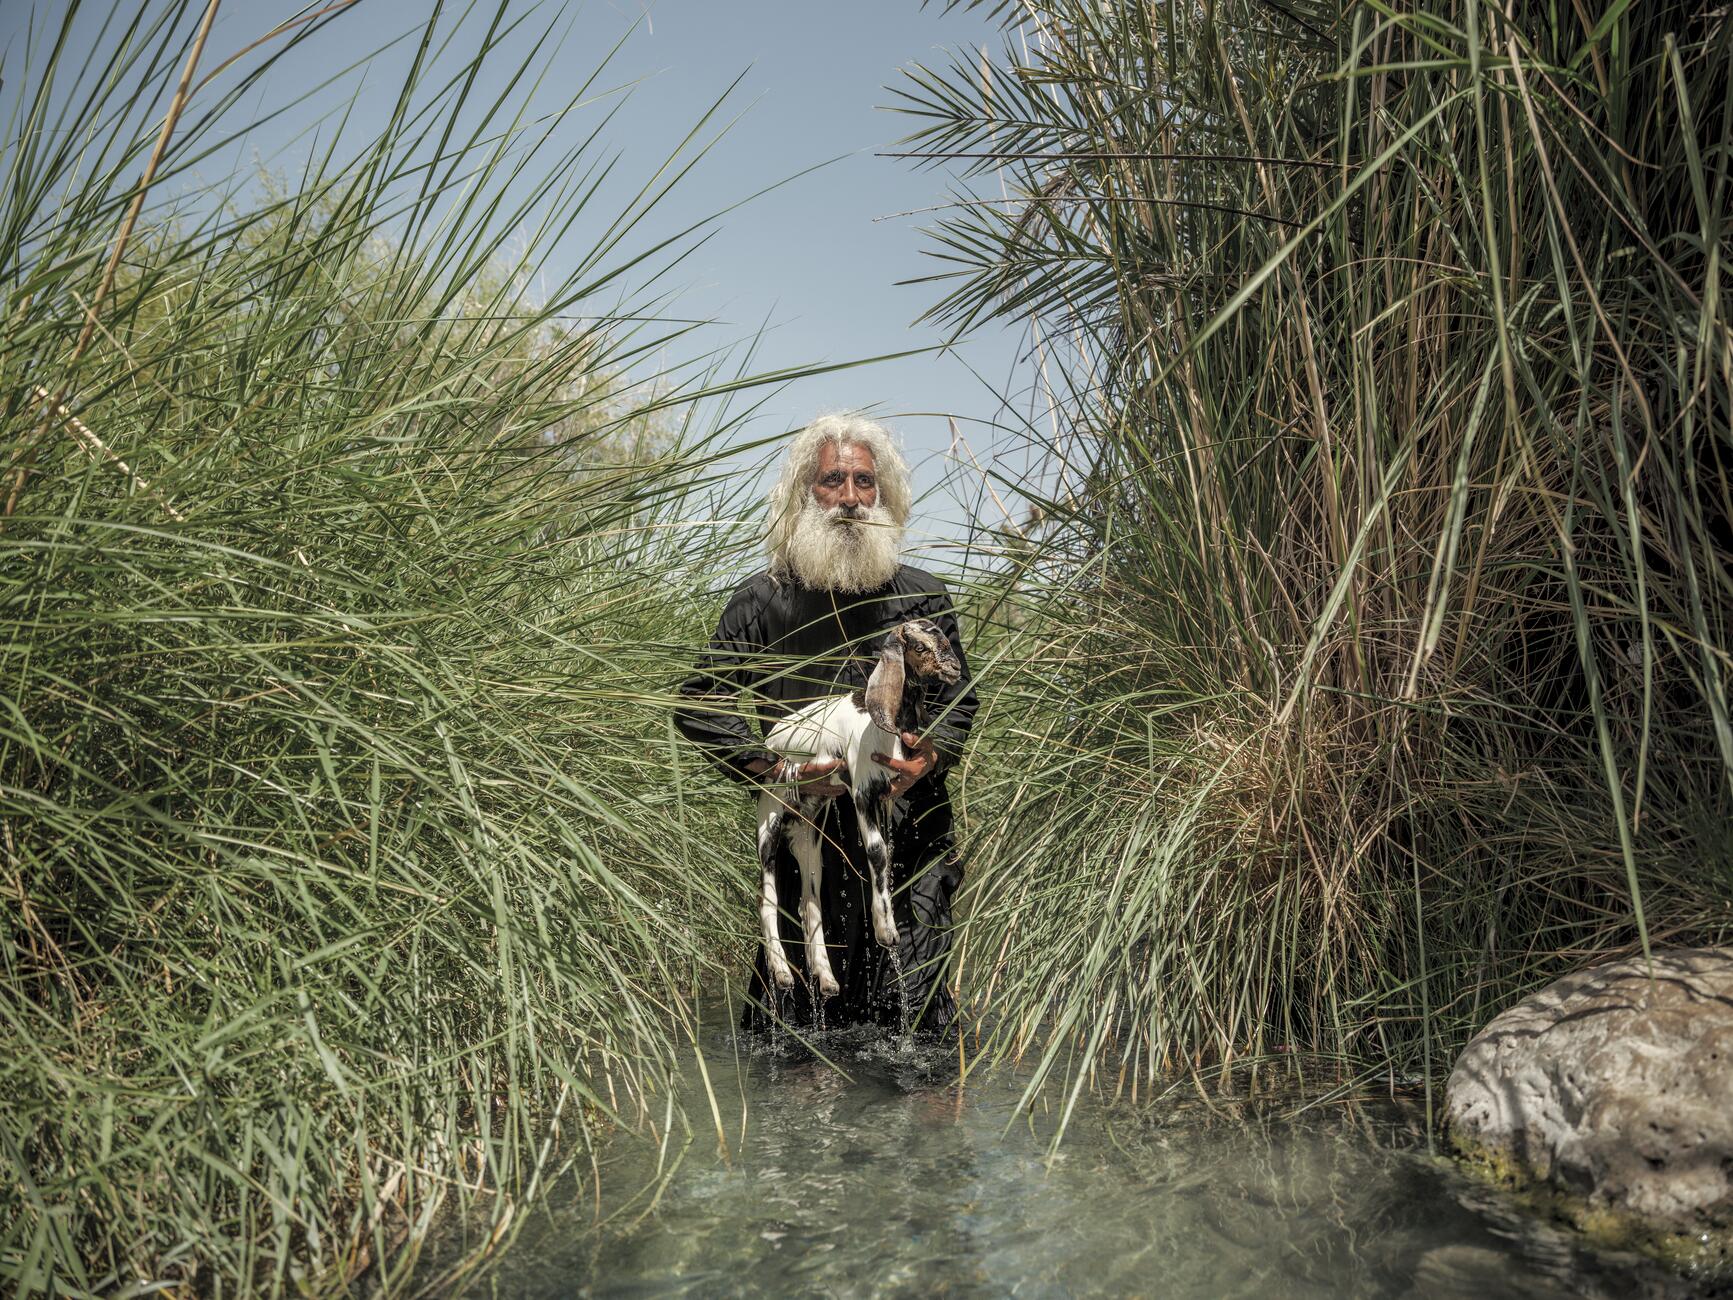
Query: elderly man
[(806, 628)]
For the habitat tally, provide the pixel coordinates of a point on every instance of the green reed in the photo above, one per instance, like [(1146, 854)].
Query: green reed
[(1363, 659), (350, 867)]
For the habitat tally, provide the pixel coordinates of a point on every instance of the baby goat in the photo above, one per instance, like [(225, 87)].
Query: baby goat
[(852, 727)]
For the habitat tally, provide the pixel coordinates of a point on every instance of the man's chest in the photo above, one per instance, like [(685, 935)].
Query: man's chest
[(817, 643)]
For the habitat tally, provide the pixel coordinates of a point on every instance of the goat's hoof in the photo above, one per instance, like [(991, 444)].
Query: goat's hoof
[(887, 936), (828, 986), (782, 976)]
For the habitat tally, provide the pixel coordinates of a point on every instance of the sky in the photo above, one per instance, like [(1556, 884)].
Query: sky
[(812, 267)]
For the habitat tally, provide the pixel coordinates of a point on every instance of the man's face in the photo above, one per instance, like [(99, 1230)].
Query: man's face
[(846, 477), (843, 538)]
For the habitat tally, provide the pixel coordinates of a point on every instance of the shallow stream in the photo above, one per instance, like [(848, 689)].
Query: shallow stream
[(887, 1179)]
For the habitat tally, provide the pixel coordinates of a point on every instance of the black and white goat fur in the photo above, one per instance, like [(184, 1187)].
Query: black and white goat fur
[(851, 727)]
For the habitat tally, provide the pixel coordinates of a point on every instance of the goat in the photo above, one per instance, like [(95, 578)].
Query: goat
[(851, 727)]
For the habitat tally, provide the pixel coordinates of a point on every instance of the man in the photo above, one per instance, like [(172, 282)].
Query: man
[(806, 628)]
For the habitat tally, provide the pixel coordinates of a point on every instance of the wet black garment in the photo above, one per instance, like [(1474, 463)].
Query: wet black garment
[(779, 646)]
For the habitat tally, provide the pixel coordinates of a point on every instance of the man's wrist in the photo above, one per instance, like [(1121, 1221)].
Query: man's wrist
[(770, 771), (765, 769), (941, 758)]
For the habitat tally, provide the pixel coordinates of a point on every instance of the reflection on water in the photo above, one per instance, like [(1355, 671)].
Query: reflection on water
[(895, 1182)]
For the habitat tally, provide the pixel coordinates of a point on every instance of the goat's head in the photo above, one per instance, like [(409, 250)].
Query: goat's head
[(914, 648)]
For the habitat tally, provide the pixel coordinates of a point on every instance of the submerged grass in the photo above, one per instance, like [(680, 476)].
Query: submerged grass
[(1371, 632)]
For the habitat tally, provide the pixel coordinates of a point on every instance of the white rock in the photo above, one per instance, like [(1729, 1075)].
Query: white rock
[(1615, 1088)]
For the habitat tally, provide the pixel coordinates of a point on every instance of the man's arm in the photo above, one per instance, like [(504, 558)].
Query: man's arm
[(953, 704), (707, 714)]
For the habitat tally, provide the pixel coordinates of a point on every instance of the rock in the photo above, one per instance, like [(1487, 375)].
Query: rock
[(1617, 1092)]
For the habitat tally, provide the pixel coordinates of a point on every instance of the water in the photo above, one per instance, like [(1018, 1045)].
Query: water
[(895, 1182)]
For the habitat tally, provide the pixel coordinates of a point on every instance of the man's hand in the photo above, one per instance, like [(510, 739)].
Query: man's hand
[(824, 777), (923, 759)]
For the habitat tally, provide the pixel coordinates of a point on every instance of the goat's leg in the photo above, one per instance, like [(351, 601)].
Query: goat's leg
[(772, 818), (866, 811), (803, 839)]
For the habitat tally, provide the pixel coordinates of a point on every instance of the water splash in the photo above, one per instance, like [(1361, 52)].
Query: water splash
[(896, 964), (780, 1003)]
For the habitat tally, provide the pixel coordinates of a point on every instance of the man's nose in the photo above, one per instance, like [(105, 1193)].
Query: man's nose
[(850, 494)]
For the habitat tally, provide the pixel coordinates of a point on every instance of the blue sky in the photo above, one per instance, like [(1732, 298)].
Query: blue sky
[(816, 260)]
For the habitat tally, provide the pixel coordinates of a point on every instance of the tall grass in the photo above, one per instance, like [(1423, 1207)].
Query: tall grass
[(348, 862), (1371, 652)]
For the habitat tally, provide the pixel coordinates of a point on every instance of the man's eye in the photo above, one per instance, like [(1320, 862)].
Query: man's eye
[(863, 480)]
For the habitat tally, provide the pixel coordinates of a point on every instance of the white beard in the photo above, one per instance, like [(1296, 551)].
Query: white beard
[(829, 551)]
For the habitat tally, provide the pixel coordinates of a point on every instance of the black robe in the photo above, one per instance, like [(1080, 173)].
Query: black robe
[(779, 646)]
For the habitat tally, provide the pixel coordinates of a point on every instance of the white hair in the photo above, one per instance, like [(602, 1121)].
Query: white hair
[(802, 540)]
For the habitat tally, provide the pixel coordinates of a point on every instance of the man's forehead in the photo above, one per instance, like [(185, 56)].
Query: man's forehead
[(850, 454)]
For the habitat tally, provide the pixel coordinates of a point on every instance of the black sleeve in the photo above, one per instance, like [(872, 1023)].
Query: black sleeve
[(708, 713), (953, 705)]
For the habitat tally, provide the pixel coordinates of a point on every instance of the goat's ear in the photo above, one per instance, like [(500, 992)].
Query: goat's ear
[(884, 689)]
